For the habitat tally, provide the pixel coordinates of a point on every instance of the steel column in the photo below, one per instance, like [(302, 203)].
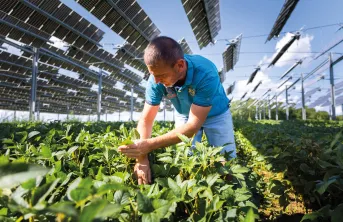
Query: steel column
[(287, 108), (256, 113), (332, 83), (119, 115), (33, 84), (276, 109), (38, 111), (131, 118), (269, 110), (303, 108), (99, 95), (67, 112), (164, 109)]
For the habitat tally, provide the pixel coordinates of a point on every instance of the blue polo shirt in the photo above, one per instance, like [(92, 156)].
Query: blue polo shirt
[(202, 87)]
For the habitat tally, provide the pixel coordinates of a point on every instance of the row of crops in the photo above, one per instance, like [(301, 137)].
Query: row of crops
[(288, 171)]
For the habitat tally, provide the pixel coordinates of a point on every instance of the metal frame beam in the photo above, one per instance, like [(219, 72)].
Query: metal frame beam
[(32, 6)]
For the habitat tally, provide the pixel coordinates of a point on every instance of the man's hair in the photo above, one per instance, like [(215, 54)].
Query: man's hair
[(163, 49)]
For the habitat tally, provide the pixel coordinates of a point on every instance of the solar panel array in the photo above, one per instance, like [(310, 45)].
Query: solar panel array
[(282, 18), (185, 47), (231, 54), (204, 18), (33, 23), (126, 18)]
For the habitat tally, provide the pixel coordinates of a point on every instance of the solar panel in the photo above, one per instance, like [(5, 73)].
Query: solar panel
[(284, 82), (231, 88), (231, 53), (126, 18), (185, 47), (252, 76), (290, 69), (284, 49), (282, 18), (255, 88), (204, 18)]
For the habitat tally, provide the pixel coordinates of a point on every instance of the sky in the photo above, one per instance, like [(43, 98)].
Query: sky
[(252, 18)]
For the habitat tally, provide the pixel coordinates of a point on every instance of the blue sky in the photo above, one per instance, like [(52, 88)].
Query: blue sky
[(251, 17)]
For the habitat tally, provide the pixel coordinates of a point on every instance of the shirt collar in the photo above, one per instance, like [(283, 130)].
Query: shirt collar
[(189, 77)]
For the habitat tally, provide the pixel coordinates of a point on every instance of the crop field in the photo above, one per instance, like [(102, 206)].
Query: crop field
[(71, 171)]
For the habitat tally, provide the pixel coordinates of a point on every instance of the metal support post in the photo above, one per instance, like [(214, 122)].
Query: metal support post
[(174, 113), (303, 109), (287, 108), (15, 114), (342, 111), (269, 110), (99, 95), (264, 110), (58, 116), (164, 110), (33, 84), (106, 115), (131, 117), (38, 111), (276, 109), (332, 83), (67, 112), (256, 113), (119, 115)]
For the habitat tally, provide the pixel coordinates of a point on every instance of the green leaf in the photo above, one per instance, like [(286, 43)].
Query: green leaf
[(127, 141), (42, 192), (4, 160), (211, 179), (175, 188), (144, 204), (250, 217), (45, 151), (32, 134), (3, 211), (13, 174), (337, 137), (161, 209), (122, 198), (66, 208), (183, 138), (337, 214), (306, 169), (323, 212), (166, 159), (72, 149), (322, 186), (30, 184), (239, 169), (100, 209)]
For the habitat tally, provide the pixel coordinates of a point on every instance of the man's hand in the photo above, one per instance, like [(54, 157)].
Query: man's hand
[(138, 149), (142, 171)]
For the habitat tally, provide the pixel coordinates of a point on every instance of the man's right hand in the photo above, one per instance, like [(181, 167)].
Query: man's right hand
[(142, 170)]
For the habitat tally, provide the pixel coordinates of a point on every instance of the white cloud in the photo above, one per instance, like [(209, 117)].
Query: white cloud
[(302, 45)]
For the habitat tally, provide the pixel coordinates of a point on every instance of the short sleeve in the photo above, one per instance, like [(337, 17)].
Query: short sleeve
[(205, 90), (153, 92)]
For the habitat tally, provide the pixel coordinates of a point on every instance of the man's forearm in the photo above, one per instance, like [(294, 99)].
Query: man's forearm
[(144, 129), (171, 138)]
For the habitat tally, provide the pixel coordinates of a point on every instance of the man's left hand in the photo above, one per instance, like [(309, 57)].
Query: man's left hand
[(136, 150)]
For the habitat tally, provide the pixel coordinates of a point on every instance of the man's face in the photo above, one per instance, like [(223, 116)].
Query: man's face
[(167, 75)]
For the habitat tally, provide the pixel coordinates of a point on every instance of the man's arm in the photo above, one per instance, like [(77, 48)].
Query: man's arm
[(146, 122), (197, 117)]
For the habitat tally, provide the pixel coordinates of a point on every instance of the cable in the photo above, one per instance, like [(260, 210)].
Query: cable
[(263, 35)]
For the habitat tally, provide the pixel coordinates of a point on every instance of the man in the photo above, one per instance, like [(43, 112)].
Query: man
[(192, 84)]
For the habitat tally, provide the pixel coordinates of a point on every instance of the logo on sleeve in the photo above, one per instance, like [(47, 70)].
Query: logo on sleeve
[(191, 91)]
